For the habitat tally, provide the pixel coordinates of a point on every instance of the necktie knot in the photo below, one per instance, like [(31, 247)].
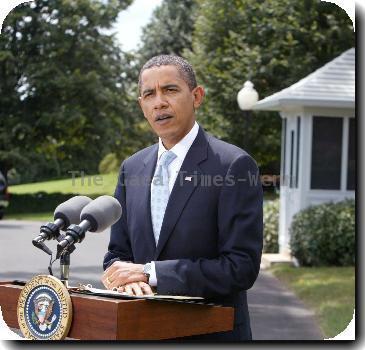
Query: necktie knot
[(166, 158)]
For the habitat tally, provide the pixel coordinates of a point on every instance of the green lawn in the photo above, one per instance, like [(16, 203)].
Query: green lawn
[(42, 216), (37, 201), (329, 291), (87, 185)]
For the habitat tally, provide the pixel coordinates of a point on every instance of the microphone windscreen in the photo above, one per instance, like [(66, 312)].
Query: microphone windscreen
[(70, 210), (102, 212)]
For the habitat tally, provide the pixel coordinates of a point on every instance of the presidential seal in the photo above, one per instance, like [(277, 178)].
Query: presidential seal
[(44, 309)]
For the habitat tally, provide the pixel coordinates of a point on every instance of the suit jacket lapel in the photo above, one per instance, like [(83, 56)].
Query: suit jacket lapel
[(183, 188), (146, 174)]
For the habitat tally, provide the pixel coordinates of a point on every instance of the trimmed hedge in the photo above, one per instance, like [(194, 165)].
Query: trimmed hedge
[(324, 235), (271, 226), (40, 202)]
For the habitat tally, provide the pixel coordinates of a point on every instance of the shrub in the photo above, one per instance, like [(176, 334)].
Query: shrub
[(271, 226), (324, 235), (109, 164), (38, 202)]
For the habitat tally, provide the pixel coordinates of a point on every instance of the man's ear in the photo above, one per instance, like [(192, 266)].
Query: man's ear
[(198, 96)]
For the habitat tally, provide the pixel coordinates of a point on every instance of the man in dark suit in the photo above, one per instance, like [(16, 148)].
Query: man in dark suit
[(192, 205)]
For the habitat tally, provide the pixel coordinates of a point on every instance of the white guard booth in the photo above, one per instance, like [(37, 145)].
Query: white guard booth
[(318, 139)]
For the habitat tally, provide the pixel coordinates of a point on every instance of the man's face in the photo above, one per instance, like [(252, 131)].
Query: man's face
[(168, 104)]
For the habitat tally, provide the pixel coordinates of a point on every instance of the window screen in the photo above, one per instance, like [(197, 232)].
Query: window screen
[(291, 179), (326, 153), (351, 156)]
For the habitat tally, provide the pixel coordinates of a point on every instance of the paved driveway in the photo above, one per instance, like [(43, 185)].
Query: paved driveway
[(19, 259)]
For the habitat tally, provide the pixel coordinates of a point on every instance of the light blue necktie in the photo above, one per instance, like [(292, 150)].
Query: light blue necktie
[(160, 192)]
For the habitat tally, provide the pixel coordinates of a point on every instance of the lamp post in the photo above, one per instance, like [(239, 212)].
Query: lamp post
[(247, 98)]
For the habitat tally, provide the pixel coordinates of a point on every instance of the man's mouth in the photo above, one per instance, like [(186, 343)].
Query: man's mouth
[(163, 117)]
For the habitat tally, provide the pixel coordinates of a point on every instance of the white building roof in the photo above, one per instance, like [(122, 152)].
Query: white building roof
[(332, 85)]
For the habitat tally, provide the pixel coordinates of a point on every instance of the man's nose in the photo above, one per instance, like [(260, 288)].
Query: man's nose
[(160, 101)]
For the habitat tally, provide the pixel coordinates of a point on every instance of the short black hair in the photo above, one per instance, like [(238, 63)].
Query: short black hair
[(184, 67)]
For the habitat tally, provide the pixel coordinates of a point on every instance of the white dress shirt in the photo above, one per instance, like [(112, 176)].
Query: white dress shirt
[(180, 149)]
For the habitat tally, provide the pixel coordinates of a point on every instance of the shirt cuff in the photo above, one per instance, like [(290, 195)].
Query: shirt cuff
[(153, 278)]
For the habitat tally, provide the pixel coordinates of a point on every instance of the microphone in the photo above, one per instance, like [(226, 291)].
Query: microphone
[(65, 214), (97, 216)]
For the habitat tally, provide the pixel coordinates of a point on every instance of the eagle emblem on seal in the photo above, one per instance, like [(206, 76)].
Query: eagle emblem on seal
[(42, 314)]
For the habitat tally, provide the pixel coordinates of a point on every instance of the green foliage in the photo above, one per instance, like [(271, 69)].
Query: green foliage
[(324, 234), (169, 31), (109, 164), (61, 87), (271, 226), (39, 202), (273, 43)]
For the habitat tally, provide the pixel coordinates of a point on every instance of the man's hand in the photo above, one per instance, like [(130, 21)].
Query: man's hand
[(136, 288), (121, 273)]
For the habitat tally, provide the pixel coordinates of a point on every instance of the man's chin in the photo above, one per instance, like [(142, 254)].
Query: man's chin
[(169, 138), (164, 131)]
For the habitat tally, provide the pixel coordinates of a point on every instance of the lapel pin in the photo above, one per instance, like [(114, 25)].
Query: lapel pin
[(188, 178)]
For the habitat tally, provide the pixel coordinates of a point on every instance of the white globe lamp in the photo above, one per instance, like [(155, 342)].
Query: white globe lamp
[(247, 97)]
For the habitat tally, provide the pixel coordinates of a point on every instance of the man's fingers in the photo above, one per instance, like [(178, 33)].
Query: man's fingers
[(112, 267), (116, 279), (120, 289), (146, 288), (121, 273), (115, 283), (128, 289), (105, 281), (105, 284), (137, 289)]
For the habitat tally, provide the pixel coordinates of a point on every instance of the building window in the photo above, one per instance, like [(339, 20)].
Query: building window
[(326, 153), (351, 157)]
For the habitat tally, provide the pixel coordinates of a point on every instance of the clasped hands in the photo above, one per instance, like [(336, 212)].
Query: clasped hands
[(126, 277)]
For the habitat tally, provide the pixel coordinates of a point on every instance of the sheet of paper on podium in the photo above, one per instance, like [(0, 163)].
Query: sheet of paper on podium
[(88, 289)]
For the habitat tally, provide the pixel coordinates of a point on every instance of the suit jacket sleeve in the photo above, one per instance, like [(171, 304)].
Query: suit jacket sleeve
[(240, 223), (119, 245)]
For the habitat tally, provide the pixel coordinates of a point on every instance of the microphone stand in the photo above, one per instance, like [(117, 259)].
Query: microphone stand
[(65, 267), (65, 264)]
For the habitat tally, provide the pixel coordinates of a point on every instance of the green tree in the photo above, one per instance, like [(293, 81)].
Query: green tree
[(273, 43), (169, 31), (62, 86)]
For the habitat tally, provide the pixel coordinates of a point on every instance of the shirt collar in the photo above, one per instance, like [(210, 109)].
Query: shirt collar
[(183, 146)]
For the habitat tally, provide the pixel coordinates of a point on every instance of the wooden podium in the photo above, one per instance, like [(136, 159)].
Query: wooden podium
[(101, 318)]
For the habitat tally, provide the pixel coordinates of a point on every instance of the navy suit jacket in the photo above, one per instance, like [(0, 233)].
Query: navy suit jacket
[(210, 242)]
